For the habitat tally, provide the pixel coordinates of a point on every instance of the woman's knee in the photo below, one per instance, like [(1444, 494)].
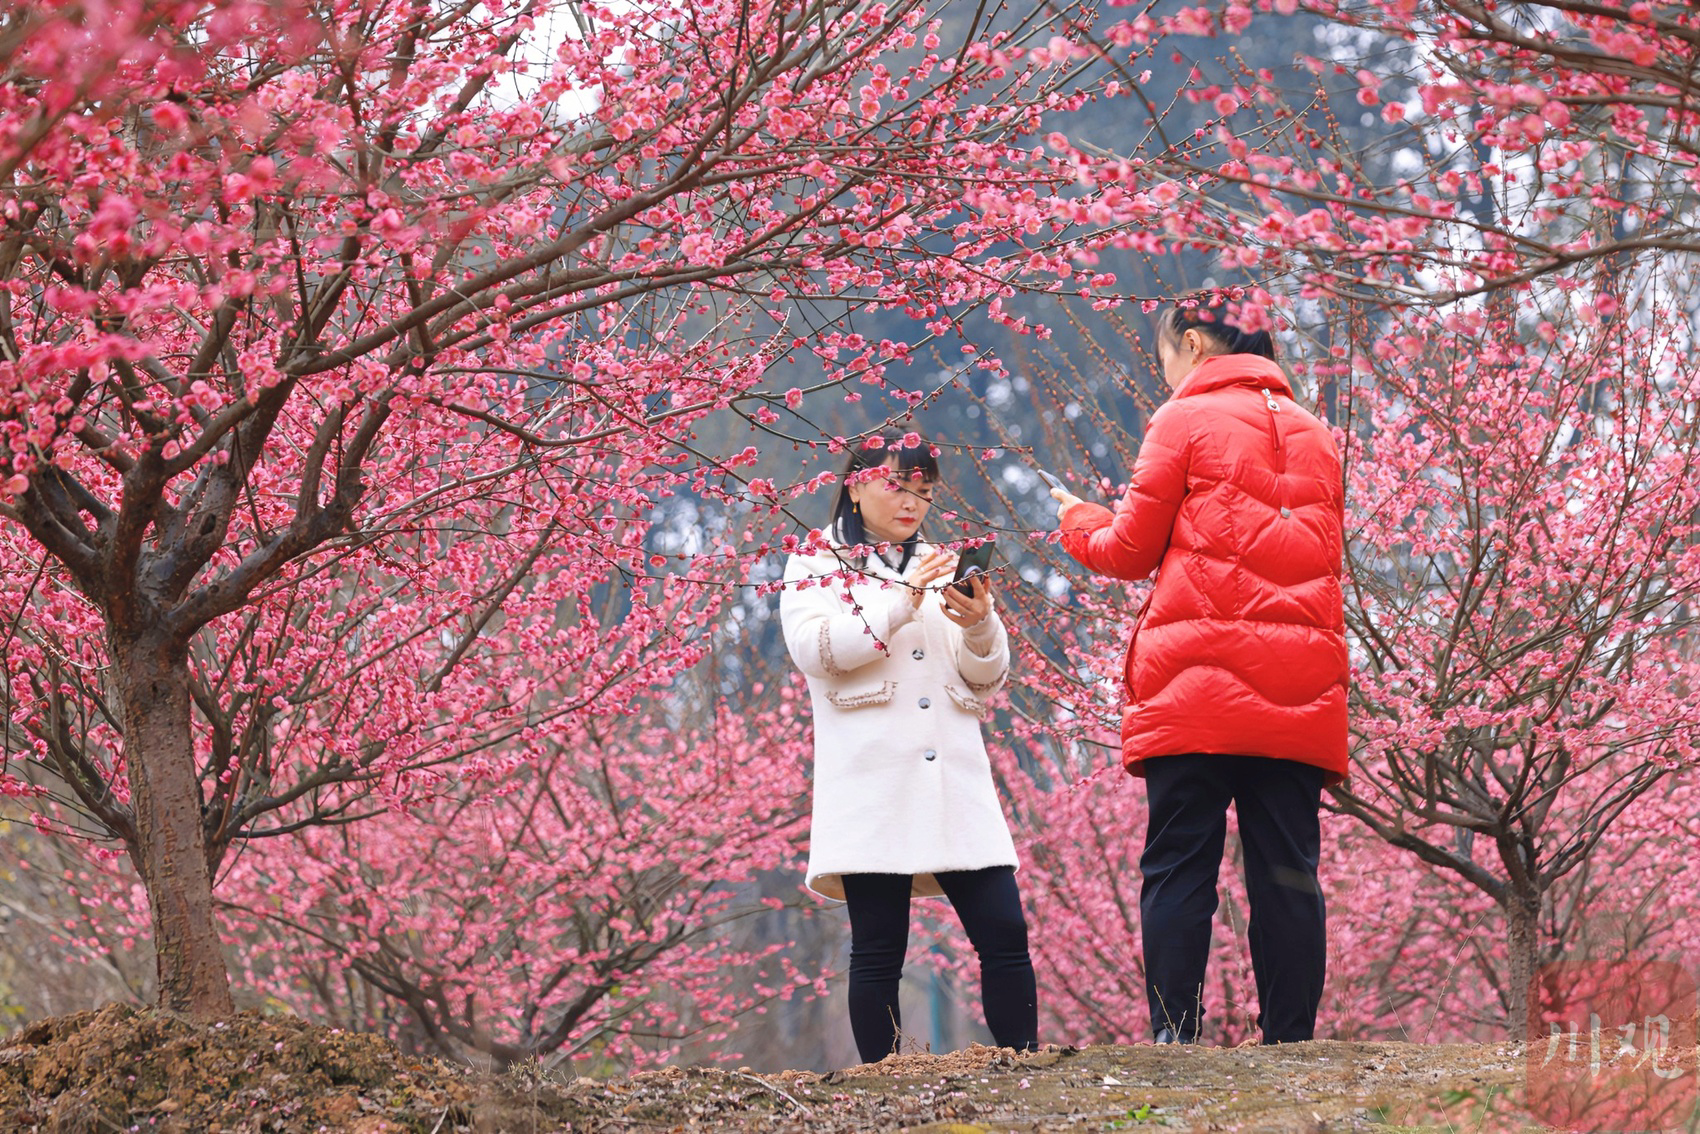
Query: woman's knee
[(878, 959), (1002, 935), (995, 920), (878, 946)]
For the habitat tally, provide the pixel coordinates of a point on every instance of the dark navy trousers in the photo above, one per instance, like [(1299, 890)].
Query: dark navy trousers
[(1277, 802)]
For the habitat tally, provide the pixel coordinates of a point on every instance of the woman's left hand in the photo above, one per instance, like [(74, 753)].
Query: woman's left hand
[(966, 610), (1065, 500)]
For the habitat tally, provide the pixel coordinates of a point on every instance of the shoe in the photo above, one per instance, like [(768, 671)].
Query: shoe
[(1167, 1034)]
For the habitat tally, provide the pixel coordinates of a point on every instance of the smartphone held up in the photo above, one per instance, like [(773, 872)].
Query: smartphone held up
[(973, 561)]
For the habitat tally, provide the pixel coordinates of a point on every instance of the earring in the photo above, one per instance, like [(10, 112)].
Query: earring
[(855, 507)]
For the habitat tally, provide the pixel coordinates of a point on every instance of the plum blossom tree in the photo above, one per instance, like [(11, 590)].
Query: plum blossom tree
[(1526, 569), (575, 904), (348, 351)]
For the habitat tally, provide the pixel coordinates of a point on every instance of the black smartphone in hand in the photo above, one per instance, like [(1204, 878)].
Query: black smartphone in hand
[(974, 561), (1050, 479)]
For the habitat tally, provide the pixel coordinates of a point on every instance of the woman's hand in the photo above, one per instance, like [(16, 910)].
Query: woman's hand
[(968, 610), (1065, 501), (936, 565)]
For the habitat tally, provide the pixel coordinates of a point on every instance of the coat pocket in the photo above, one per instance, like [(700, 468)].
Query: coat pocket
[(1131, 656), (862, 697), (967, 701)]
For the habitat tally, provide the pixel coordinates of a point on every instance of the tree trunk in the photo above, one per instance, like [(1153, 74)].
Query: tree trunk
[(1522, 918), (170, 846)]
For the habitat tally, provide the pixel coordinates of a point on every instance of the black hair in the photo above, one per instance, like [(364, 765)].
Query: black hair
[(882, 451), (1199, 313)]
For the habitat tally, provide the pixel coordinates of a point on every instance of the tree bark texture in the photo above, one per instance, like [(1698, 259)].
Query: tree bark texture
[(169, 849), (1522, 918)]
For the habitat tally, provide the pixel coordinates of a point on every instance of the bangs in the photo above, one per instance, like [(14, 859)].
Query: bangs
[(920, 458), (894, 455)]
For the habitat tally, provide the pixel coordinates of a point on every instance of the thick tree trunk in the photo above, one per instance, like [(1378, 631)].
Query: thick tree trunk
[(170, 847), (1522, 917)]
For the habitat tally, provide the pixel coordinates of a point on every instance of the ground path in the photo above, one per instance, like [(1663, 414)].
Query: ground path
[(123, 1069)]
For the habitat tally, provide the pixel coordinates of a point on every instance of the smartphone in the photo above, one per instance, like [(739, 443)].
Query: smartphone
[(1050, 479), (974, 561)]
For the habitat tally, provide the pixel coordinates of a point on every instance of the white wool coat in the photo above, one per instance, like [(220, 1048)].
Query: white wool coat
[(902, 784)]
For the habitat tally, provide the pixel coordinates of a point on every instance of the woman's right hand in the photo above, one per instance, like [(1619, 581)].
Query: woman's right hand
[(1065, 500), (933, 567)]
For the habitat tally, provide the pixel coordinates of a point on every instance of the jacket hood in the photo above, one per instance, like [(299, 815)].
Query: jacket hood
[(1234, 370)]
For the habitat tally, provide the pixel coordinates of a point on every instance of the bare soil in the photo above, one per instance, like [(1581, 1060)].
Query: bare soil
[(123, 1069)]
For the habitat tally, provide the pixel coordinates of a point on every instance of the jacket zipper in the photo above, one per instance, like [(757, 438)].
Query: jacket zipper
[(1280, 450)]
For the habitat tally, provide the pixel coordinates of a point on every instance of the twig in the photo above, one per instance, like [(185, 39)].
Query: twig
[(766, 1086)]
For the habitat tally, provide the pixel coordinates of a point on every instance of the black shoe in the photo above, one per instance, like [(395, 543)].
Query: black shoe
[(1167, 1034)]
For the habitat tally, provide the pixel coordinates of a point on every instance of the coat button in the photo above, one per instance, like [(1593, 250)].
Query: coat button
[(931, 754), (1286, 512), (917, 654), (926, 702)]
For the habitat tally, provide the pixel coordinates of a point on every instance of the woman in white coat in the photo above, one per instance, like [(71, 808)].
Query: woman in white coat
[(900, 664)]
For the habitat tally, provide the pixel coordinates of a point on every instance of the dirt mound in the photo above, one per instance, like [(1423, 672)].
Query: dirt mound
[(121, 1068)]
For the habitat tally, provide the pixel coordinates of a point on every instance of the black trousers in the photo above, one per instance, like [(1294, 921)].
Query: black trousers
[(1277, 803), (989, 905)]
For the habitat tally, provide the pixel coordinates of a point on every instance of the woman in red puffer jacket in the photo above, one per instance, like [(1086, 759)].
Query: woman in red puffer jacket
[(1236, 672)]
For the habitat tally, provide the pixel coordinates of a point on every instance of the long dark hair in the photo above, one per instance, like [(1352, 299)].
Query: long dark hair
[(1202, 313), (874, 453)]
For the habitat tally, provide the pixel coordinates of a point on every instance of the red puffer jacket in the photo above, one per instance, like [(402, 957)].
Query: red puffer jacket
[(1242, 648)]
